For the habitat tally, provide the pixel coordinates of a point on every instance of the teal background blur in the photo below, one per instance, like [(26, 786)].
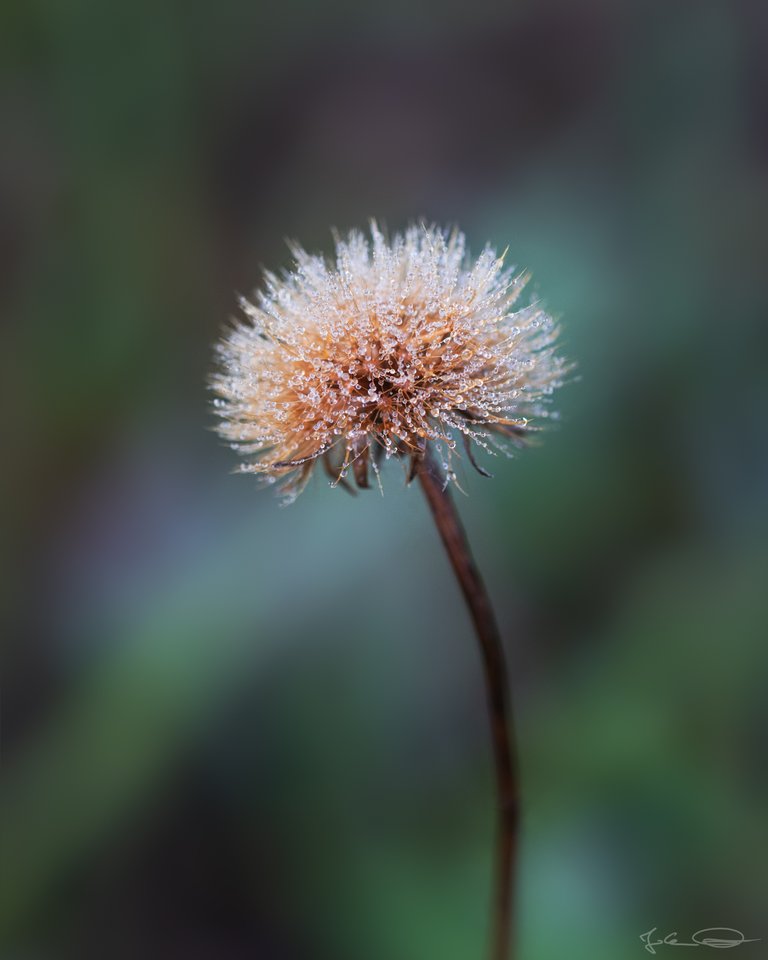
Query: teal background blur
[(235, 731)]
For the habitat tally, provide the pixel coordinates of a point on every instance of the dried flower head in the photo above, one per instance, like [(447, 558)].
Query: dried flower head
[(394, 346)]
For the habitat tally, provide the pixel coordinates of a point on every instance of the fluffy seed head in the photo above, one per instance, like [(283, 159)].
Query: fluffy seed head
[(394, 346)]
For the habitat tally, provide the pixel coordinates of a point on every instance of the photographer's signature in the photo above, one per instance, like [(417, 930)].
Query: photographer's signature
[(721, 938)]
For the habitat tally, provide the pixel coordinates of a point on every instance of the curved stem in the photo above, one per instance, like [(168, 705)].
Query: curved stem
[(454, 539)]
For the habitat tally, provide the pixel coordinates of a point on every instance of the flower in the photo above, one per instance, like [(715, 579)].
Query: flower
[(396, 347)]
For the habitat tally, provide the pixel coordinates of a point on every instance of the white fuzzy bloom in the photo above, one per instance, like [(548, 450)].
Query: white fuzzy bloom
[(395, 346)]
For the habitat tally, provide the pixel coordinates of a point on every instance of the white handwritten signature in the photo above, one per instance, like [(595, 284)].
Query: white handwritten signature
[(709, 937)]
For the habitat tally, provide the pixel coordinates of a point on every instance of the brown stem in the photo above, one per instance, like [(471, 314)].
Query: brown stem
[(494, 666)]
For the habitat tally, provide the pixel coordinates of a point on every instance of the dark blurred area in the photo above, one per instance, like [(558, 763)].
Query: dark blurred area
[(234, 731)]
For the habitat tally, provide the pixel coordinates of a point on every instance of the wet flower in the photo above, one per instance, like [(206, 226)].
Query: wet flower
[(395, 346)]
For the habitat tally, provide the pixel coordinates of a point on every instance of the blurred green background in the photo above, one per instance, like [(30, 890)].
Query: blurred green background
[(234, 731)]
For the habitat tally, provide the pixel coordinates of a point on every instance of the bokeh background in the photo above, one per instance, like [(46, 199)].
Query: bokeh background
[(234, 731)]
